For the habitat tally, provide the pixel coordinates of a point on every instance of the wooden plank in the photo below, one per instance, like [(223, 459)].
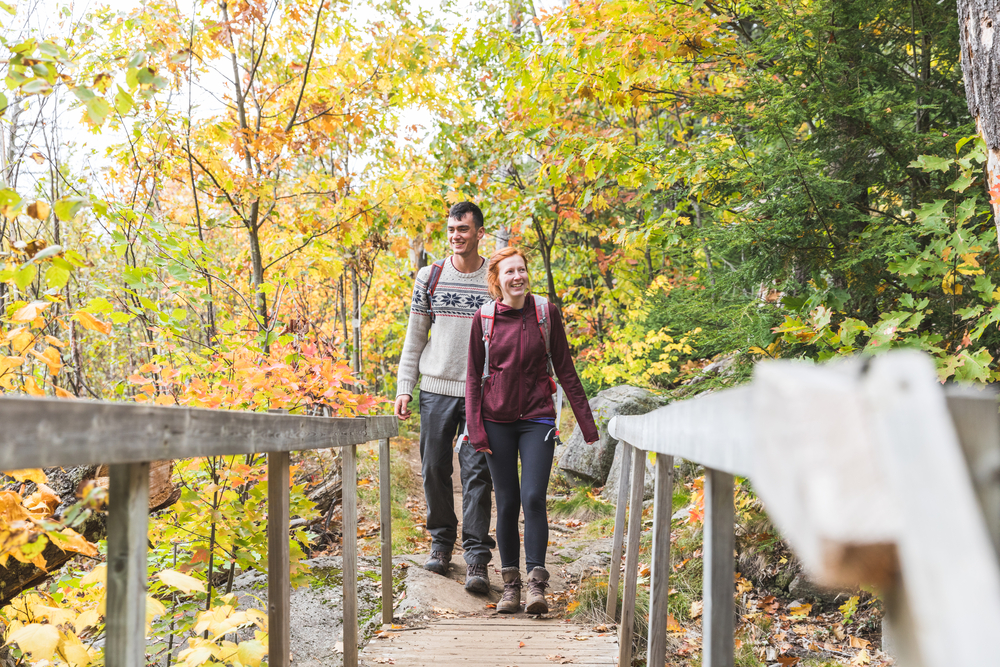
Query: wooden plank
[(614, 571), (820, 473), (350, 552), (974, 416), (719, 570), (659, 588), (42, 432), (385, 526), (632, 557), (949, 564), (715, 430), (278, 560), (128, 516), (380, 427)]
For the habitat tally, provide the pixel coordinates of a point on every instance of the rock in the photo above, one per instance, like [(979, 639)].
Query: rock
[(589, 464), (610, 492), (317, 610)]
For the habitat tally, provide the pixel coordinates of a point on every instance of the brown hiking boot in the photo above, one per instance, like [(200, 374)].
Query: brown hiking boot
[(510, 603), (438, 562), (538, 581), (477, 579)]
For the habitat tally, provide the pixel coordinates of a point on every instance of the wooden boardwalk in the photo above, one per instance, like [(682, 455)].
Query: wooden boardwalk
[(496, 641)]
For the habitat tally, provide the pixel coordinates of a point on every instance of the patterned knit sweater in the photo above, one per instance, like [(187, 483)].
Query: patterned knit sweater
[(441, 359)]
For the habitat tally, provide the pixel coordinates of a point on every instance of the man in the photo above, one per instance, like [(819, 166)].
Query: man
[(445, 297)]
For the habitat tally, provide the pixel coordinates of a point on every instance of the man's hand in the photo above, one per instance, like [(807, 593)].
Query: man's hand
[(402, 410)]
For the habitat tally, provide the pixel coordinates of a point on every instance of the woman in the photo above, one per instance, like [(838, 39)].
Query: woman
[(511, 414)]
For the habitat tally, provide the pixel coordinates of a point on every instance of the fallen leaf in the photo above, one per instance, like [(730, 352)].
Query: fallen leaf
[(862, 658), (801, 610), (520, 644), (858, 642), (696, 608), (787, 660), (40, 640)]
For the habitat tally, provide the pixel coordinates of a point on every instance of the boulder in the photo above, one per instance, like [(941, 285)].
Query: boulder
[(589, 464), (610, 492)]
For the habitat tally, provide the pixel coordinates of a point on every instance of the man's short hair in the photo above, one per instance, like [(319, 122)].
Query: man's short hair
[(459, 210)]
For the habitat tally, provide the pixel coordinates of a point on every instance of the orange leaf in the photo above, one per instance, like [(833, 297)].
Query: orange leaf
[(32, 387), (90, 322), (31, 311)]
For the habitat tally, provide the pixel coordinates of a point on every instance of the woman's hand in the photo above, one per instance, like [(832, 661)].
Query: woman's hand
[(590, 443), (487, 451)]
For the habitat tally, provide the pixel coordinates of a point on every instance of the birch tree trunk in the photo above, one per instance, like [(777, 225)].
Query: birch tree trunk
[(978, 23)]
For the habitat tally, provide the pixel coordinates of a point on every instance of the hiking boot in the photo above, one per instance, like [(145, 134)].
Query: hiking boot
[(438, 562), (477, 579), (538, 581), (510, 603)]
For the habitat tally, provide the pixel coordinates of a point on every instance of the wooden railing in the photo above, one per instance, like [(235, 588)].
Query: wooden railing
[(873, 473), (42, 433)]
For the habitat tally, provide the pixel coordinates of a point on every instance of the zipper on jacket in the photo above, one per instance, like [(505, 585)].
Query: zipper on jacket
[(520, 366)]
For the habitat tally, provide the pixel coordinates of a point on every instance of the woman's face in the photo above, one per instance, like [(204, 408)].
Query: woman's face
[(514, 281)]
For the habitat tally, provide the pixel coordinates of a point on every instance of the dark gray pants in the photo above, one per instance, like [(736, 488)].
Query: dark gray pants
[(441, 419)]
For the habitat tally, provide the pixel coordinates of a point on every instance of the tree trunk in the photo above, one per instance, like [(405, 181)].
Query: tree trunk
[(978, 22)]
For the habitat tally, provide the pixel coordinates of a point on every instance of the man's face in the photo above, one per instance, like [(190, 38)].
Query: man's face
[(463, 237)]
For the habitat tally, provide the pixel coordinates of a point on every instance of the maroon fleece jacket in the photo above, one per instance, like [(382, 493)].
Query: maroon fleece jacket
[(518, 386)]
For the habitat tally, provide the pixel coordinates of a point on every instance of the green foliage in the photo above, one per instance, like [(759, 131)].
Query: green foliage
[(582, 505)]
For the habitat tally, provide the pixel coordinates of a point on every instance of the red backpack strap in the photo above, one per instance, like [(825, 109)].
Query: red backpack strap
[(487, 314), (432, 283), (545, 326)]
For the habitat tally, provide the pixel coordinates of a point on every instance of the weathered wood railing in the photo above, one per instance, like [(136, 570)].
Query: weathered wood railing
[(42, 433), (873, 473)]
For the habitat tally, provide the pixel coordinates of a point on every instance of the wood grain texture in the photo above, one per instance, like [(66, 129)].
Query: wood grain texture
[(385, 526), (631, 557), (350, 555), (614, 571), (719, 570), (380, 427), (715, 430), (949, 564), (481, 642), (974, 416), (659, 588), (279, 612), (128, 517), (42, 432)]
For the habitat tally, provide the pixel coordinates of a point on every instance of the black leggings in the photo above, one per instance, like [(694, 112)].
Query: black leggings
[(508, 441)]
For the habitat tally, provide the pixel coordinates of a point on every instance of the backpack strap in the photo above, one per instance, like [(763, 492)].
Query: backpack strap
[(487, 314), (545, 325), (432, 283)]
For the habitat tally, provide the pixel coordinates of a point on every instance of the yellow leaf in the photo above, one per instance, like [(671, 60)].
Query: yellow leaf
[(858, 642), (87, 619), (98, 575), (800, 610), (36, 475), (52, 340), (29, 312), (62, 393), (75, 652), (39, 210), (40, 640), (90, 322), (950, 284), (69, 540), (454, 196), (193, 657), (154, 608), (181, 581), (251, 653), (165, 399), (862, 658), (32, 387), (55, 615), (51, 359), (21, 340)]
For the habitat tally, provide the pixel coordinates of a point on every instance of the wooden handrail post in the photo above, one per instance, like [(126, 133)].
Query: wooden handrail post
[(616, 542), (128, 519), (719, 571), (350, 551), (278, 557), (385, 527), (659, 589), (632, 556)]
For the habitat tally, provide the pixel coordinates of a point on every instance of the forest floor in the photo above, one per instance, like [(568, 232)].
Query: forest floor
[(773, 628)]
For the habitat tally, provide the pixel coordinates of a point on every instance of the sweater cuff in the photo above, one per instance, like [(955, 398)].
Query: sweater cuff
[(404, 387)]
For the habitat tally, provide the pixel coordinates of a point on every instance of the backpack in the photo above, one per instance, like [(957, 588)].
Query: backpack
[(432, 283)]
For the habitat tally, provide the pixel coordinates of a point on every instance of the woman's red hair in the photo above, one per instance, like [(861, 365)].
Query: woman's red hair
[(493, 272)]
